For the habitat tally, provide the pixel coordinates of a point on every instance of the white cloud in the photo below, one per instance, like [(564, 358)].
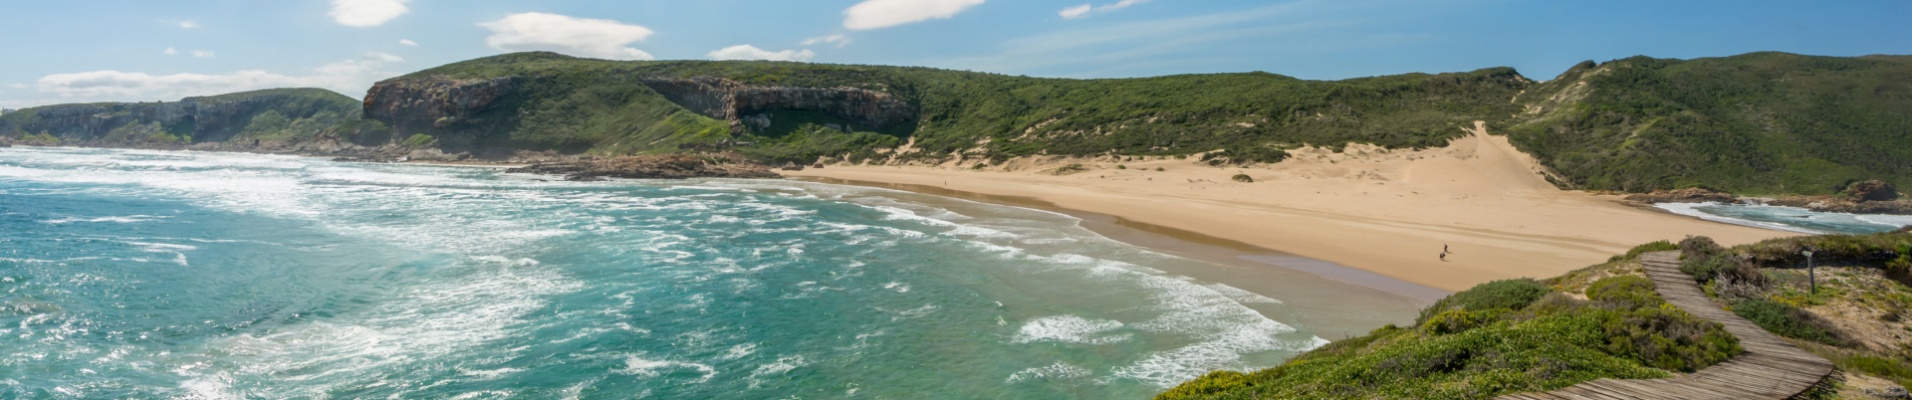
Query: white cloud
[(1077, 11), (1085, 9), (367, 13), (839, 40), (203, 54), (188, 24), (599, 38), (748, 52), (170, 51), (350, 77), (874, 14), (408, 42)]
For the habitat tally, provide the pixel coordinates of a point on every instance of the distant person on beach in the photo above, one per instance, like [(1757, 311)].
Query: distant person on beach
[(1443, 256), (1444, 249)]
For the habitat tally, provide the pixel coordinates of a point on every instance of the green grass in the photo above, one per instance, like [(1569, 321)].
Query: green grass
[(1497, 338)]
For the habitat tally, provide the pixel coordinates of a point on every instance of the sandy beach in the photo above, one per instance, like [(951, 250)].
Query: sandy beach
[(1387, 212)]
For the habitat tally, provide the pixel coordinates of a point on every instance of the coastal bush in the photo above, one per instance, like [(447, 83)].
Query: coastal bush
[(1636, 251), (1120, 166), (1789, 321), (1242, 178), (1506, 293), (419, 140), (1493, 339)]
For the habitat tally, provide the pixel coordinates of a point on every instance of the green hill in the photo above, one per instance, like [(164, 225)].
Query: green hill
[(273, 114), (799, 112), (1760, 123)]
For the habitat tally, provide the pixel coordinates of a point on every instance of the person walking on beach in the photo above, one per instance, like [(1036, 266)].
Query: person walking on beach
[(1443, 256)]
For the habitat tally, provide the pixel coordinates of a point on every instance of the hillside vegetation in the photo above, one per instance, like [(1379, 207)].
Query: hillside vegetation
[(616, 106), (1760, 123), (273, 114), (1606, 321), (1499, 337)]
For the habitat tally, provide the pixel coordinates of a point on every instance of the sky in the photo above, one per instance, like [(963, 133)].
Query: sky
[(140, 50)]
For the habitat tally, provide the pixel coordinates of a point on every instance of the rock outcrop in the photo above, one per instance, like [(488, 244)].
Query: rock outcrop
[(649, 167), (1873, 190), (747, 107), (439, 104)]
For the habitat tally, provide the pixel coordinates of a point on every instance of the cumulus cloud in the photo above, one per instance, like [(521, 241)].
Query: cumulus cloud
[(350, 77), (170, 51), (839, 40), (748, 52), (874, 14), (203, 54), (366, 13), (598, 38), (1086, 9), (188, 24), (408, 42)]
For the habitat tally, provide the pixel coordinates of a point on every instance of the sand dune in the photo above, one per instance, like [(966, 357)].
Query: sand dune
[(1389, 212)]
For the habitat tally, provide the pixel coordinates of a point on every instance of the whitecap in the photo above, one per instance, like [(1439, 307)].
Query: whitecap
[(1069, 329), (1058, 371)]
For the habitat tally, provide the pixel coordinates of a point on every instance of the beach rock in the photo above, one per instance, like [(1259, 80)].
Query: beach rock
[(675, 166), (1873, 190), (1687, 195)]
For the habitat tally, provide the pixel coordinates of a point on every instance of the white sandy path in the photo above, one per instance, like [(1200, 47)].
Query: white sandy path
[(1367, 208)]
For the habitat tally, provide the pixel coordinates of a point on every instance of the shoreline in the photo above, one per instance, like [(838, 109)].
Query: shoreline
[(1222, 252), (1385, 212)]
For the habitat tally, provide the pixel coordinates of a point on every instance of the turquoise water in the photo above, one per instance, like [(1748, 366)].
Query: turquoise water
[(1792, 219), (148, 274)]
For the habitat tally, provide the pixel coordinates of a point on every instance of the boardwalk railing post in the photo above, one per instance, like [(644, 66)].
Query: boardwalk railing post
[(1812, 279)]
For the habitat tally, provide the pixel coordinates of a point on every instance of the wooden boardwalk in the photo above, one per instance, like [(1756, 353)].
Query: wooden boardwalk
[(1771, 368)]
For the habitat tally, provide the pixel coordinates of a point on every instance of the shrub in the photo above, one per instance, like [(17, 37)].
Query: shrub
[(1456, 321), (1242, 178), (1120, 166), (419, 140), (1510, 294), (1636, 251), (1788, 321), (1214, 382), (1069, 169), (1624, 293), (1159, 169), (979, 166), (1666, 338), (1697, 247)]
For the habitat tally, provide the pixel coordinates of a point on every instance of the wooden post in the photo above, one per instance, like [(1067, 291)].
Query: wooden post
[(1812, 280)]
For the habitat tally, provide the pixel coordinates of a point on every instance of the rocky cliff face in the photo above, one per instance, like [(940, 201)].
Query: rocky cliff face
[(437, 104), (747, 107)]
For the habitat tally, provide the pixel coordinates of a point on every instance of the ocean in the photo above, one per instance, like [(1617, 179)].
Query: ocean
[(192, 275), (1791, 219)]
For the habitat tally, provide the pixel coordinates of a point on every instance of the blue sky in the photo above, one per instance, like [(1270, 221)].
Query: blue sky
[(82, 51)]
